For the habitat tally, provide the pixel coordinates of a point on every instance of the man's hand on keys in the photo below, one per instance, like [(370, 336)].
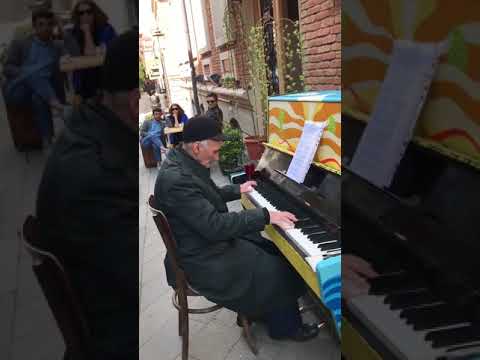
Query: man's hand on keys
[(284, 219), (247, 186)]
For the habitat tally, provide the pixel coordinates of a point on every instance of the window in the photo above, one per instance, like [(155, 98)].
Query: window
[(218, 10), (206, 70), (227, 62), (226, 66)]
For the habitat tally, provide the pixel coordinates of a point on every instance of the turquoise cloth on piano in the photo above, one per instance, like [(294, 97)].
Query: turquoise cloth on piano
[(330, 283), (325, 96)]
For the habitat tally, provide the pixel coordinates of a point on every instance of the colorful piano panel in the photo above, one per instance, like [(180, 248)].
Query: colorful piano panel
[(288, 113), (449, 122), (330, 282)]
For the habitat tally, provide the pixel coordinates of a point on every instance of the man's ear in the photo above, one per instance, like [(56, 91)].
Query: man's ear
[(195, 148)]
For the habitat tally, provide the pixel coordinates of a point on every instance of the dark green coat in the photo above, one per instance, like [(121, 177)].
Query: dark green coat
[(88, 210), (222, 252)]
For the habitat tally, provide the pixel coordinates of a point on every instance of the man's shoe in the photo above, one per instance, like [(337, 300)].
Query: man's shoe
[(306, 332)]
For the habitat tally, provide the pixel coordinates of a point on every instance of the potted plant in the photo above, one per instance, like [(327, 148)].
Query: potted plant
[(229, 82), (231, 152)]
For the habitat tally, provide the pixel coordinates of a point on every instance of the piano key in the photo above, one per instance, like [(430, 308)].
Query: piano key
[(397, 336), (401, 281), (454, 336), (401, 338), (313, 231), (408, 299), (429, 317), (296, 235)]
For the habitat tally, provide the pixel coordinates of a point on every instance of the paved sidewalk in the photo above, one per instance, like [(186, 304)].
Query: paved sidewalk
[(213, 336), (27, 328)]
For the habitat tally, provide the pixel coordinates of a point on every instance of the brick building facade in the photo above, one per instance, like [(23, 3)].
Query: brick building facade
[(320, 23), (320, 26)]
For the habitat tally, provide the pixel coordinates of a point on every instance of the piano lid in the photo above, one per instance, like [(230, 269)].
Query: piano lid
[(287, 115)]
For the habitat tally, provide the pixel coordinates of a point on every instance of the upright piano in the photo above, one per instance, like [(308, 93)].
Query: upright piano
[(422, 235), (313, 247)]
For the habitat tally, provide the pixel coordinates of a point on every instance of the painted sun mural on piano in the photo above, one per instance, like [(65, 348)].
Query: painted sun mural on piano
[(450, 120), (287, 115)]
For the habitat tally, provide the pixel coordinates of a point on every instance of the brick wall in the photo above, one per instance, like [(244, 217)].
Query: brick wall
[(320, 23)]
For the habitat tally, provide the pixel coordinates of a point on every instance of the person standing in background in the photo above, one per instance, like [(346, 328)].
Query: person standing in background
[(213, 110)]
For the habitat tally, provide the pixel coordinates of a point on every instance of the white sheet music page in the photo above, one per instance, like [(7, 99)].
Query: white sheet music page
[(306, 149), (398, 105)]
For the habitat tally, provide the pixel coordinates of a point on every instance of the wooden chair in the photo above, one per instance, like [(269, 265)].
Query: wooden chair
[(148, 157), (24, 132), (60, 295), (183, 289)]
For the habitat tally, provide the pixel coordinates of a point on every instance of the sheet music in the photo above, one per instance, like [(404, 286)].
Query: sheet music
[(398, 105), (306, 148)]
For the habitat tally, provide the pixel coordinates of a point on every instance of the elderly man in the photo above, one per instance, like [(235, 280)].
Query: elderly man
[(87, 205), (223, 254)]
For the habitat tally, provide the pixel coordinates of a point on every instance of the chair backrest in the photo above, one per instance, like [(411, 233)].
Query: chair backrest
[(59, 292), (167, 236)]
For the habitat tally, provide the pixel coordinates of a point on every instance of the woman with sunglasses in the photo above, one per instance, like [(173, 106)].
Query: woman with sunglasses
[(91, 30), (176, 118)]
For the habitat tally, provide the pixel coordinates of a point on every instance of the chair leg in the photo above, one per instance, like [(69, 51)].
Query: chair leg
[(185, 336), (183, 322), (252, 344), (180, 317)]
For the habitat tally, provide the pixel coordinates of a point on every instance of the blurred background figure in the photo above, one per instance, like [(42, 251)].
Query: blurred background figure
[(25, 29), (32, 74), (87, 205), (92, 33)]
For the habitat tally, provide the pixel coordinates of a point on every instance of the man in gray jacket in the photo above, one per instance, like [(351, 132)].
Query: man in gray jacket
[(223, 254)]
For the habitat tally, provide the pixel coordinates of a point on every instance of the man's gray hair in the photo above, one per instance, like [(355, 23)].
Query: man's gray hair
[(188, 146)]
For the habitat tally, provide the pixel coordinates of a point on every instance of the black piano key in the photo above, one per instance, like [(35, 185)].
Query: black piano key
[(329, 246), (454, 336), (435, 316), (304, 223), (313, 230), (408, 299), (396, 282), (318, 238)]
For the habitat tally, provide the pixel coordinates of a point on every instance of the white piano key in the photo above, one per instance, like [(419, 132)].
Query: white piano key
[(295, 235), (398, 336)]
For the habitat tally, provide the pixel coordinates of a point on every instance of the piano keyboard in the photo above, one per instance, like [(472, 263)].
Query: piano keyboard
[(318, 242), (315, 240), (412, 322)]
